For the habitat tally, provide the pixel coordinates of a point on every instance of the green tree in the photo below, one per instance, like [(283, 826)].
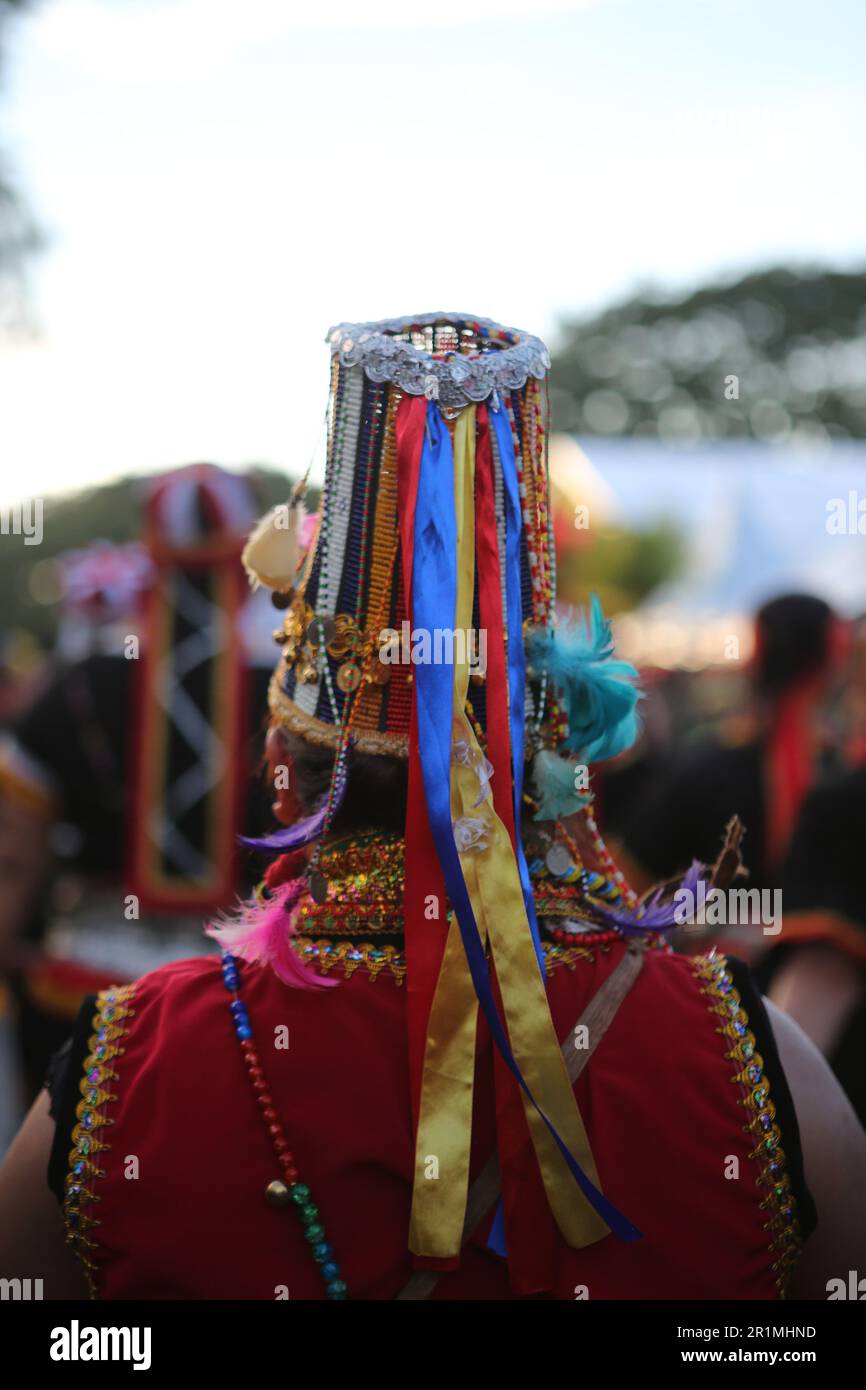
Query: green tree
[(18, 235), (110, 512), (778, 354)]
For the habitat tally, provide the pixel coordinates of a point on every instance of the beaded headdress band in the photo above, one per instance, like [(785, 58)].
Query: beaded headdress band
[(435, 526)]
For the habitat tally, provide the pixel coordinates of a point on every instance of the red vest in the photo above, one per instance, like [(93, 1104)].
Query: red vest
[(679, 1118)]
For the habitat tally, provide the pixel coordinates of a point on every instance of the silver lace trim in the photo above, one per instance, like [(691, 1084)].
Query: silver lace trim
[(453, 381)]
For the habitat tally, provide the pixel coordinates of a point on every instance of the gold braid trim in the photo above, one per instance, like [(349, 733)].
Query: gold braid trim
[(779, 1203), (109, 1026), (327, 956), (327, 735)]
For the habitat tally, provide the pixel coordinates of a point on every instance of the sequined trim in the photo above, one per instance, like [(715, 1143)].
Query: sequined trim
[(364, 876), (346, 956), (387, 351), (327, 956), (779, 1201), (556, 955), (365, 889), (113, 1010)]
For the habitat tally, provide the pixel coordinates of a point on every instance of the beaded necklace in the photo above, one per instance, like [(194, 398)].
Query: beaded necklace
[(287, 1190), (339, 770)]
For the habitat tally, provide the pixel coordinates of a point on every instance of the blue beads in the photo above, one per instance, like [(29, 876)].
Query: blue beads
[(241, 1019), (322, 1252), (231, 978)]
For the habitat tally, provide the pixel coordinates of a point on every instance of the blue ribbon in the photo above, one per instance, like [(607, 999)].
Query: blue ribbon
[(516, 698), (516, 654), (434, 594)]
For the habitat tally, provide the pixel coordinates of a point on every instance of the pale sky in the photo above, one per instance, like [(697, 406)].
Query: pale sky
[(220, 181)]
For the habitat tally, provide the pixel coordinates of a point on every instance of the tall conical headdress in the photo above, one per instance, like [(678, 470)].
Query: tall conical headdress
[(406, 630)]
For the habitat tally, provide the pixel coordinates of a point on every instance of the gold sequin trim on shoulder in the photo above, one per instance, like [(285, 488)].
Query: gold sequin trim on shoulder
[(778, 1200), (113, 1010), (374, 960), (345, 956)]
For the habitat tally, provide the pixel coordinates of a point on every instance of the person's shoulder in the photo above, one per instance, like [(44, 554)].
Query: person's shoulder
[(176, 986), (192, 971), (822, 868), (834, 1154), (715, 751), (679, 975), (709, 761), (840, 793), (170, 1019), (667, 983)]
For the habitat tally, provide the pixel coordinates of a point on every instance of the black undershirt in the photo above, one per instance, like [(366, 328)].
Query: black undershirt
[(63, 1083), (786, 1116)]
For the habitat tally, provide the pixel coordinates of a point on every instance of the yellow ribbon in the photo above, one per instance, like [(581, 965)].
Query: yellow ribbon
[(493, 884)]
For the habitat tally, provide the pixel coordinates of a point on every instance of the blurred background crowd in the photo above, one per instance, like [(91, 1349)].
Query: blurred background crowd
[(189, 192)]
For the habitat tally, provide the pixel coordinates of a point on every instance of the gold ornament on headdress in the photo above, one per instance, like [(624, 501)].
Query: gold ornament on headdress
[(274, 551)]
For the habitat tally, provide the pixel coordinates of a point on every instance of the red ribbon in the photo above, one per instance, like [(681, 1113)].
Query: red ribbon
[(790, 754), (423, 879)]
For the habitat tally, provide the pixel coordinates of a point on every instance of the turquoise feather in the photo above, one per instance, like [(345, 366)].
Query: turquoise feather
[(553, 779), (599, 695)]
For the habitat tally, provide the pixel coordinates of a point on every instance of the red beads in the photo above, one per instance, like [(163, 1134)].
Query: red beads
[(269, 1115), (596, 938)]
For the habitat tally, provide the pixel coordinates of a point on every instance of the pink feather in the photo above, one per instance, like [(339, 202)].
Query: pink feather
[(308, 529), (262, 933)]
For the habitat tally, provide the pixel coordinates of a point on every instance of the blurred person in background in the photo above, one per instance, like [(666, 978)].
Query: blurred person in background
[(622, 783), (123, 786), (816, 969), (853, 703), (800, 648)]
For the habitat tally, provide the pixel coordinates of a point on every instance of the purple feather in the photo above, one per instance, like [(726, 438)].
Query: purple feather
[(291, 836), (653, 916), (303, 831)]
